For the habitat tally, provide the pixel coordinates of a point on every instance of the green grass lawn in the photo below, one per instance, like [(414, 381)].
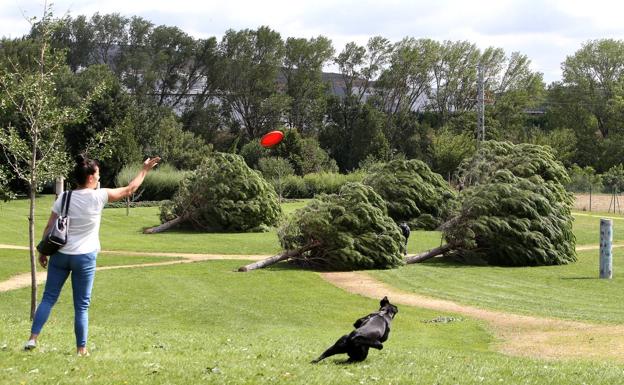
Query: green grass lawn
[(571, 291), (204, 323), (122, 232), (13, 262), (587, 227)]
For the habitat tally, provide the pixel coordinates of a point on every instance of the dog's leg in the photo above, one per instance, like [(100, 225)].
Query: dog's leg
[(375, 344), (340, 347), (358, 353)]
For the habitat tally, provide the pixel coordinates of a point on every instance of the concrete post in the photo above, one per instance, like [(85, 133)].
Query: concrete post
[(606, 239)]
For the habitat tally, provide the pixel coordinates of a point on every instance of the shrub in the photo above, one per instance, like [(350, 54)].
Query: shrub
[(582, 179), (160, 184)]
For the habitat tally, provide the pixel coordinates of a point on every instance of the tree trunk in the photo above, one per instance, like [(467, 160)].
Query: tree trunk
[(280, 257), (33, 259), (165, 226), (428, 254)]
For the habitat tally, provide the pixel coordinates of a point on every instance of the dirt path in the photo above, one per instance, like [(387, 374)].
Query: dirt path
[(515, 334), (23, 280)]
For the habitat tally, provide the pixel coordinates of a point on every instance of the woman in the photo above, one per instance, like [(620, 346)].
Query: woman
[(83, 243)]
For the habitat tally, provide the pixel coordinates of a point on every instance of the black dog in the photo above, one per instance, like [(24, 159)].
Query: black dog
[(370, 331)]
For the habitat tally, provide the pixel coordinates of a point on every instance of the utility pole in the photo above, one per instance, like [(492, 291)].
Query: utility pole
[(480, 104)]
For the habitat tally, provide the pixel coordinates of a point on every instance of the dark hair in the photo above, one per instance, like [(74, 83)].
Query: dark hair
[(83, 168)]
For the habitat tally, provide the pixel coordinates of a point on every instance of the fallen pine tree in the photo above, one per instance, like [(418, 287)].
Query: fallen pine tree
[(413, 193), (345, 231), (222, 195), (514, 210)]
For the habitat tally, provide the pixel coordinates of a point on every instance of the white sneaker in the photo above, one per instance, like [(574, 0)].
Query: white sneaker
[(30, 345)]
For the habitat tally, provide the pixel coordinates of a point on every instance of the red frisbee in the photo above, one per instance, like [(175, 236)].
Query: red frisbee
[(272, 138)]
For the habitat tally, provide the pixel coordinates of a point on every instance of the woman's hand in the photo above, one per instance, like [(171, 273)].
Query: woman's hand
[(150, 163), (43, 260)]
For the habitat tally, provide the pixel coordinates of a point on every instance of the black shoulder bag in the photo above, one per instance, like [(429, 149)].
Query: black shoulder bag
[(56, 238)]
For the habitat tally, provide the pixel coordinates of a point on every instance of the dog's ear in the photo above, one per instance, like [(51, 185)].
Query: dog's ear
[(384, 301)]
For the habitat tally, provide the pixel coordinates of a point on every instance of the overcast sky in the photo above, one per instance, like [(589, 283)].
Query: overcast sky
[(546, 31)]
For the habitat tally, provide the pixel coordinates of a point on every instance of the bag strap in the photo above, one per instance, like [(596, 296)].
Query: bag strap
[(65, 203)]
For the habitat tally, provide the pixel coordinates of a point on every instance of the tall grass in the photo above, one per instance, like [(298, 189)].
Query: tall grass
[(160, 184), (318, 183)]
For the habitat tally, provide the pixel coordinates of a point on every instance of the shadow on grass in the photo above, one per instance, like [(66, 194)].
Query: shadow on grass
[(448, 262), (576, 278)]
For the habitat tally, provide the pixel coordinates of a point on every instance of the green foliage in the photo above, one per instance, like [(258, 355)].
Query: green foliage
[(450, 149), (224, 194), (514, 210), (303, 66), (304, 154), (562, 141), (275, 170), (354, 230), (523, 160), (594, 76), (413, 193), (33, 113), (314, 159), (159, 184), (181, 148), (295, 187), (252, 152), (613, 179), (354, 132), (252, 59), (5, 191), (315, 183), (583, 179), (106, 133)]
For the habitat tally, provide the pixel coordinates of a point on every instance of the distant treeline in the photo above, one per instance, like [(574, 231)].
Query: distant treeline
[(172, 94)]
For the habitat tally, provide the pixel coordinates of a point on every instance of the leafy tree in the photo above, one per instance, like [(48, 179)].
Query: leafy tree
[(583, 179), (403, 86), (352, 227), (314, 159), (613, 179), (359, 66), (275, 170), (106, 133), (76, 37), (252, 152), (5, 191), (253, 59), (33, 142), (454, 78), (353, 132), (562, 141), (413, 193), (303, 67), (180, 148), (407, 135), (594, 76), (450, 149), (223, 194), (109, 33)]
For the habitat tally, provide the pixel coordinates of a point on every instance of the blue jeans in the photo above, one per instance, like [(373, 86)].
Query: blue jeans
[(82, 268)]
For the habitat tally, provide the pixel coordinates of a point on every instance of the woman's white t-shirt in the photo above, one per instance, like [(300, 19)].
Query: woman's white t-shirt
[(85, 212)]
